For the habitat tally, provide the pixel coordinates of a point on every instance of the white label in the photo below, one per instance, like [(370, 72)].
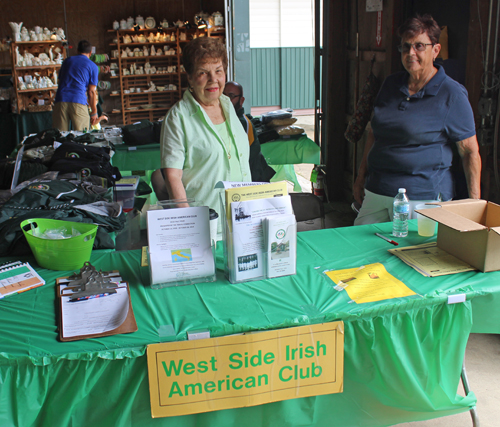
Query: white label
[(454, 299)]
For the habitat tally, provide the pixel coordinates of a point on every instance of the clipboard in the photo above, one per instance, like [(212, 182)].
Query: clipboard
[(127, 326)]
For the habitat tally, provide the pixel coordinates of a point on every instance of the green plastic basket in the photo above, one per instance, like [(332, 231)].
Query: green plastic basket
[(60, 254)]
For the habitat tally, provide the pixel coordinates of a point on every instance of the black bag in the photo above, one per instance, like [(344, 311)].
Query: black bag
[(87, 168), (73, 150), (140, 133), (72, 157), (43, 138), (285, 113)]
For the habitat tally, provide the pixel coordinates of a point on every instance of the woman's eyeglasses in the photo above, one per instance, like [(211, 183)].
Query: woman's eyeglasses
[(419, 47)]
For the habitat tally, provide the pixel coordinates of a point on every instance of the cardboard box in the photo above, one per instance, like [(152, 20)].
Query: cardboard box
[(470, 230)]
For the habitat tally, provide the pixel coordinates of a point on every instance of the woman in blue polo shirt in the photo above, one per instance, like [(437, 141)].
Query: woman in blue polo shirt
[(418, 115)]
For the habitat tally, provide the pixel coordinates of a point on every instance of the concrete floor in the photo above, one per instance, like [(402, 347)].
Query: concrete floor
[(482, 356)]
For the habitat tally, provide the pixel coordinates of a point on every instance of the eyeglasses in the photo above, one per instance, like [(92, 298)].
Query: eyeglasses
[(419, 47), (232, 96)]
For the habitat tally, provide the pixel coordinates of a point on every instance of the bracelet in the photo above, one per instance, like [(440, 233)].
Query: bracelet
[(92, 115)]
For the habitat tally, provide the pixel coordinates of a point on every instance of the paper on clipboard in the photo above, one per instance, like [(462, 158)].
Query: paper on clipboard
[(96, 316)]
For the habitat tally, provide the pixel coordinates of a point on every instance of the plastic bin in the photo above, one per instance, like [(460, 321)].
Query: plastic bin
[(125, 191), (60, 254)]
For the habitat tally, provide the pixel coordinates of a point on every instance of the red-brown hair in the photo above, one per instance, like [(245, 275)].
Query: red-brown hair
[(420, 24), (203, 49)]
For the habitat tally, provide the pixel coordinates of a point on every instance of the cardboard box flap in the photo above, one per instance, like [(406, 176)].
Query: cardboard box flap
[(451, 219), (495, 229), (472, 209)]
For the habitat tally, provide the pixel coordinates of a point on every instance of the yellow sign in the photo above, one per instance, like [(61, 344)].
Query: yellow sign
[(245, 370), (369, 283)]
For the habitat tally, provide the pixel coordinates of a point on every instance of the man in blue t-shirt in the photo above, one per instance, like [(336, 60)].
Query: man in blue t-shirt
[(77, 91)]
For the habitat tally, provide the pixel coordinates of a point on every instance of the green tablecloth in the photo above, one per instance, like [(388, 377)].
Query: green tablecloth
[(16, 126), (291, 151), (402, 356), (147, 157), (283, 154)]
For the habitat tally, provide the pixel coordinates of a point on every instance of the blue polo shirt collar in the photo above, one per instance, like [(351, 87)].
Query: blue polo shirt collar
[(430, 89)]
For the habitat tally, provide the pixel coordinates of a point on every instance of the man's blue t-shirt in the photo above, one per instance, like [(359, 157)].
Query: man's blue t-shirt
[(77, 73), (414, 135)]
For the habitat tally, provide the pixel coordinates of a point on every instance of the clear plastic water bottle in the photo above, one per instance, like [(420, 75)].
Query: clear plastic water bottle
[(401, 211)]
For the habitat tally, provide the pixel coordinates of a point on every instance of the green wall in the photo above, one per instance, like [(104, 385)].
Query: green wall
[(283, 76)]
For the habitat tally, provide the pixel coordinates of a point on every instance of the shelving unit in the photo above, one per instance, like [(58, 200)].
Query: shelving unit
[(143, 104), (41, 99)]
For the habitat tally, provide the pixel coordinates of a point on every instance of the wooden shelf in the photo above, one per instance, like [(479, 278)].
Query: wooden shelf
[(144, 43), (150, 92), (29, 99), (139, 110), (132, 31), (37, 90), (135, 58), (150, 75), (40, 67), (142, 81), (43, 42)]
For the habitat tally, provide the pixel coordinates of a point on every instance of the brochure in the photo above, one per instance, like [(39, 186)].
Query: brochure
[(264, 191), (17, 277), (246, 255), (179, 244), (281, 245)]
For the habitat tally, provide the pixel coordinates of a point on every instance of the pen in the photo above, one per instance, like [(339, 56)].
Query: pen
[(88, 297), (386, 239)]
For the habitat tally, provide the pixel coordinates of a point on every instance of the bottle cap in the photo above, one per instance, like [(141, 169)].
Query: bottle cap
[(402, 190)]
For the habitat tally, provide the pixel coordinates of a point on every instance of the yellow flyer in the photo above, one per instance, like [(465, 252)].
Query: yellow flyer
[(369, 283)]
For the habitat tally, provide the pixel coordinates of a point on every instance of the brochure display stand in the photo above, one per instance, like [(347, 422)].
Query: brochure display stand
[(260, 233), (180, 249)]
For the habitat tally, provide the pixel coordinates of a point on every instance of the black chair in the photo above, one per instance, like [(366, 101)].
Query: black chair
[(308, 207)]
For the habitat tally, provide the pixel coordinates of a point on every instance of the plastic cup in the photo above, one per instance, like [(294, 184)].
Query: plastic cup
[(426, 226)]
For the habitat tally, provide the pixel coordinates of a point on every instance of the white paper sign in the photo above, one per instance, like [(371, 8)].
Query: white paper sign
[(179, 244)]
